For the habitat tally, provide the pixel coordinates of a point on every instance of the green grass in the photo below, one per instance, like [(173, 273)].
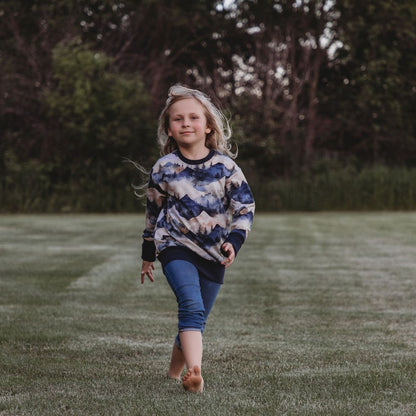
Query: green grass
[(316, 318)]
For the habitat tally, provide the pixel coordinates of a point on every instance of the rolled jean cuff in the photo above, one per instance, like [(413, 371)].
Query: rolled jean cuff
[(190, 329)]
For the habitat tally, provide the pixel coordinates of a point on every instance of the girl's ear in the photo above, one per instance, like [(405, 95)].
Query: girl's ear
[(208, 130)]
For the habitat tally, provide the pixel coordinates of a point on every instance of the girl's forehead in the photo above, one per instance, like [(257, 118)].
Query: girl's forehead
[(186, 105)]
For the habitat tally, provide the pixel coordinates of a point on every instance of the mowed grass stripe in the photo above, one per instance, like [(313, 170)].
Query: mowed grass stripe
[(316, 318)]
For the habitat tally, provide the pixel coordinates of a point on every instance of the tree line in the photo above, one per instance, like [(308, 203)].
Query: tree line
[(313, 88)]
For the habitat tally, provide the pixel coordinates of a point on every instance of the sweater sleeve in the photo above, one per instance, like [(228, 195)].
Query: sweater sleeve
[(155, 198), (242, 207), (236, 238)]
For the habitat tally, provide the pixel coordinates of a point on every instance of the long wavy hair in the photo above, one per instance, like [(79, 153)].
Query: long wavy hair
[(218, 138), (220, 134)]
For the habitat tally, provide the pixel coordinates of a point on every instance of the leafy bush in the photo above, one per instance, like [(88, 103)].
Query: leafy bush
[(336, 187), (98, 119)]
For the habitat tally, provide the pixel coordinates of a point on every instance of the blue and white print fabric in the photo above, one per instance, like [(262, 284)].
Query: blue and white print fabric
[(197, 204)]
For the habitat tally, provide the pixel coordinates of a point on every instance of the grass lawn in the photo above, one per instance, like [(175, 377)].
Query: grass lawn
[(317, 317)]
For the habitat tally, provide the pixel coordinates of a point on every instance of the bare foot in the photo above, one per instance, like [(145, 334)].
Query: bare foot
[(192, 381)]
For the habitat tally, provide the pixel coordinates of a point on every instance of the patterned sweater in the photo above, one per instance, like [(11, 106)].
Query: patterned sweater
[(196, 204)]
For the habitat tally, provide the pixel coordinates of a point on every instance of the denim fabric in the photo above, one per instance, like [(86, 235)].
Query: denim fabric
[(211, 270), (194, 293)]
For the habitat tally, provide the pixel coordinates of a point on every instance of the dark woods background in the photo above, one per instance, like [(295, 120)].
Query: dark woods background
[(321, 95)]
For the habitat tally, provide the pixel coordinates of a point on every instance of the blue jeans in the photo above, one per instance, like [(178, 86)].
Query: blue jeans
[(194, 293)]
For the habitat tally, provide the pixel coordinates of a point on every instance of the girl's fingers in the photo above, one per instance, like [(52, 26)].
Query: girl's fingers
[(147, 270), (228, 261), (228, 250), (147, 273)]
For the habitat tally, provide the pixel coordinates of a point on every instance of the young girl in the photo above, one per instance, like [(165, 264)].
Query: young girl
[(199, 211)]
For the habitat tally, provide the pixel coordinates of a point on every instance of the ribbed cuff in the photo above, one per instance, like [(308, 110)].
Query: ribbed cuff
[(236, 238), (148, 250)]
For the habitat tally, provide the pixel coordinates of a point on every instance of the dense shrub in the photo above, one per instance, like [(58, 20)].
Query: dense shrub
[(340, 188), (97, 119)]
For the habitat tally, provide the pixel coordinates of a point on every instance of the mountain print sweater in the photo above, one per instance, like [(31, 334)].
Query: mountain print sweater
[(193, 207)]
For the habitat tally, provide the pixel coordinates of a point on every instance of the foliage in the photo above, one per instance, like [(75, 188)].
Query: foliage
[(329, 185), (102, 114), (374, 106), (99, 119), (82, 84), (284, 56)]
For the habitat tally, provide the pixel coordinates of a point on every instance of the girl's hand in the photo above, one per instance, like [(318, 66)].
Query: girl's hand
[(147, 270), (228, 249)]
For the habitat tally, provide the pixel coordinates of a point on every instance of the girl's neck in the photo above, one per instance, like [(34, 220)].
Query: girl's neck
[(194, 153)]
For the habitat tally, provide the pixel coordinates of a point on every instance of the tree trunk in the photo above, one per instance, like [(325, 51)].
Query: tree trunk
[(313, 105)]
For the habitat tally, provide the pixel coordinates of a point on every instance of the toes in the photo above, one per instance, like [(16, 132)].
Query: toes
[(187, 375), (193, 381)]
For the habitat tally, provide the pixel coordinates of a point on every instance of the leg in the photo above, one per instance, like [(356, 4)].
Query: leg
[(183, 278), (209, 292), (196, 296), (193, 380), (177, 363), (191, 342)]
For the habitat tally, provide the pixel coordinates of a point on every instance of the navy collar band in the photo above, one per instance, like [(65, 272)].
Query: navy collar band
[(198, 161)]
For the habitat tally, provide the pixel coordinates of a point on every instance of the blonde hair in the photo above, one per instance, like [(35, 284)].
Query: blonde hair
[(220, 134)]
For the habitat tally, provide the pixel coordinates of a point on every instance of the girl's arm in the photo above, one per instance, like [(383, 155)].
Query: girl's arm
[(154, 204), (242, 207)]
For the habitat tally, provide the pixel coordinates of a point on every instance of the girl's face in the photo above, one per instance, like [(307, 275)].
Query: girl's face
[(188, 124)]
